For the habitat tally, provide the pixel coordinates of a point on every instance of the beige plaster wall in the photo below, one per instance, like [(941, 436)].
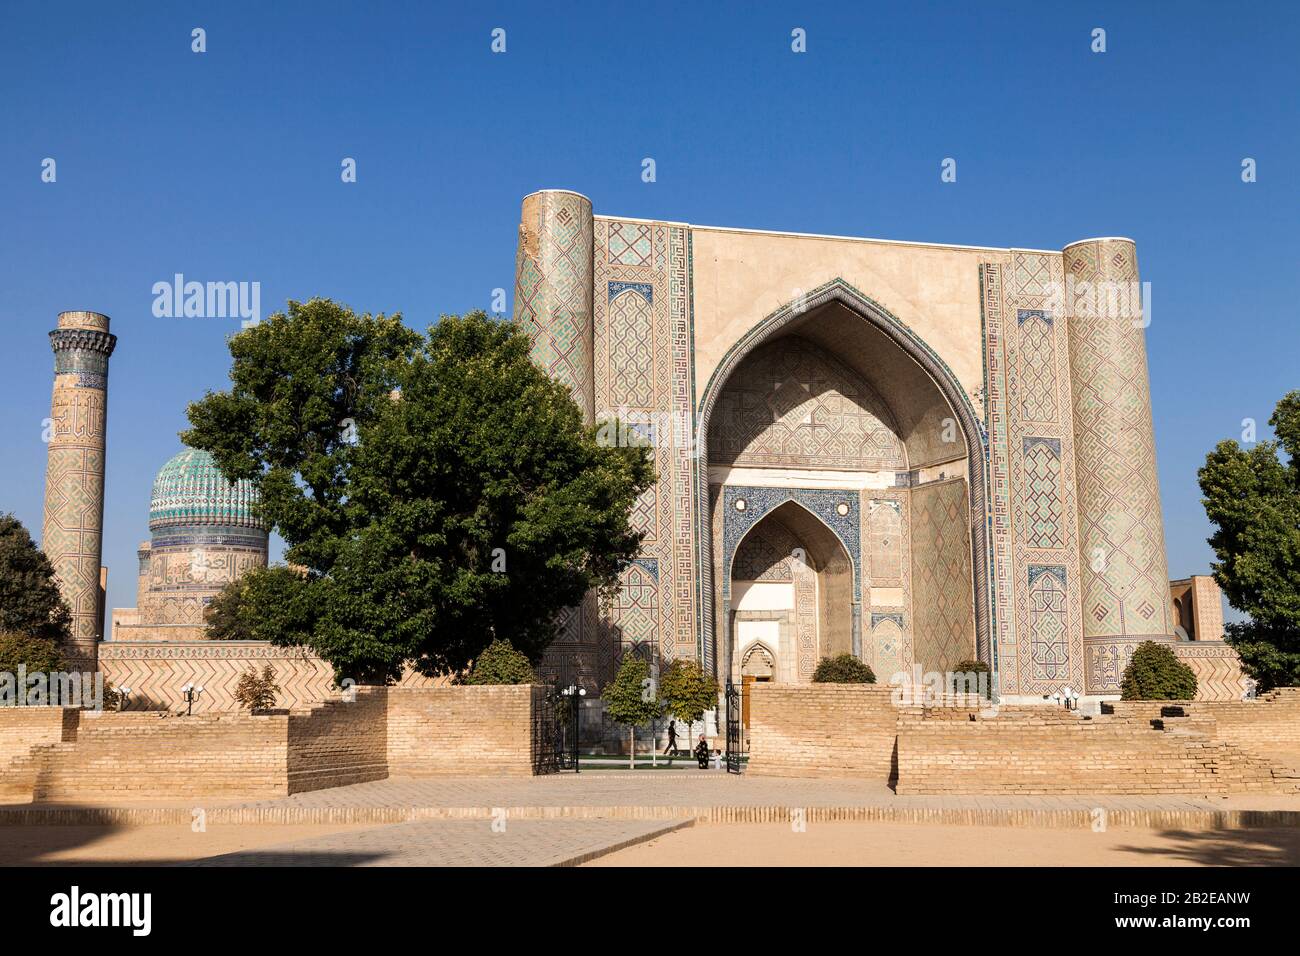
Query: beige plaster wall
[(740, 277)]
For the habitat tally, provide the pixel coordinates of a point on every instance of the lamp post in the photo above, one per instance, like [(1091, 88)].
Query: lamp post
[(123, 697), (191, 692), (575, 694)]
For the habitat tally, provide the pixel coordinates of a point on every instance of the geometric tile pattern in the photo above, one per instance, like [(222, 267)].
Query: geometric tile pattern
[(943, 625), (1036, 382), (805, 622), (791, 404), (72, 535), (631, 351), (1124, 571), (1217, 669), (1043, 492), (1032, 478), (1050, 643), (553, 288), (888, 559), (630, 244), (766, 554), (825, 504), (156, 673)]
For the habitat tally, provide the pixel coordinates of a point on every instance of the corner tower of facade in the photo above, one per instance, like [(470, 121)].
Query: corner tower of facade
[(553, 289), (73, 531), (1125, 582)]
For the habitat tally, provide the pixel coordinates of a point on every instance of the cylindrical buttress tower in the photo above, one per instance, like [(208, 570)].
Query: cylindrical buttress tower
[(1124, 571), (74, 476), (553, 289)]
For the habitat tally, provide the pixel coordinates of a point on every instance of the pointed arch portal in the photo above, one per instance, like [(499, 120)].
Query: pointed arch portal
[(877, 393)]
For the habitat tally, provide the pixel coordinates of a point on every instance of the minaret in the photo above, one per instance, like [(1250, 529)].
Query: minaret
[(1125, 585), (554, 298), (74, 477), (553, 289)]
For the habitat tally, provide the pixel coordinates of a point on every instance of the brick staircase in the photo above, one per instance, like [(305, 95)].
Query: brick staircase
[(1035, 750)]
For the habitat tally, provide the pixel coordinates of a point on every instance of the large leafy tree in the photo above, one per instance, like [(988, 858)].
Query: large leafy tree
[(1252, 496), (438, 491), (30, 602)]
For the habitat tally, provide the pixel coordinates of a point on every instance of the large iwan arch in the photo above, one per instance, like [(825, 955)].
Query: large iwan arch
[(958, 401)]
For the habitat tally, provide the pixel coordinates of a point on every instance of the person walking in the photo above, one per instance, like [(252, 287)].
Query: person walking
[(672, 737)]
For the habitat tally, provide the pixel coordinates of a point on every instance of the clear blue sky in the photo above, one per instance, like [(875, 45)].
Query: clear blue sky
[(225, 166)]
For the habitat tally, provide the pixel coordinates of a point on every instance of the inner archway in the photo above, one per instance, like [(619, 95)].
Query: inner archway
[(791, 596)]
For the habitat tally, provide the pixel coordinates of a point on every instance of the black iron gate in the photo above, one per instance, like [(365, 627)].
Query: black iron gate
[(555, 730), (735, 728), (548, 748)]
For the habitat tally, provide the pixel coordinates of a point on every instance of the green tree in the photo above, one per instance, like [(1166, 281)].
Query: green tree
[(687, 691), (262, 604), (630, 699), (439, 490), (500, 663), (1252, 497), (1155, 673), (37, 654), (843, 669), (30, 602)]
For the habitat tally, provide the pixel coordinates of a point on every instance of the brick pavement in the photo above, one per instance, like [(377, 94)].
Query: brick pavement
[(705, 796), (457, 843)]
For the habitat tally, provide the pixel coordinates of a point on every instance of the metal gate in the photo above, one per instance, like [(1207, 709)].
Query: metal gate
[(548, 748), (555, 730), (735, 728)]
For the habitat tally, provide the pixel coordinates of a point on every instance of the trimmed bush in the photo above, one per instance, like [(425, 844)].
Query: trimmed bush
[(843, 669), (500, 663), (1155, 673)]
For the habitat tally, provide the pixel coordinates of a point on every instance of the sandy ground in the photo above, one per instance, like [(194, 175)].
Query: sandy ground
[(80, 846), (900, 844), (761, 844)]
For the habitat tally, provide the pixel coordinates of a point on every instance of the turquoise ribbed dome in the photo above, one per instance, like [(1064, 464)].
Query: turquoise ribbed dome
[(191, 490)]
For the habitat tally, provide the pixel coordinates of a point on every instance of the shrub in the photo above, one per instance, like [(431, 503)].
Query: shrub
[(257, 692), (37, 654), (959, 682), (500, 663), (843, 669), (1155, 673)]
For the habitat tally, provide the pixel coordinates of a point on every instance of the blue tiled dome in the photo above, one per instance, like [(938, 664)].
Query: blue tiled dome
[(191, 490)]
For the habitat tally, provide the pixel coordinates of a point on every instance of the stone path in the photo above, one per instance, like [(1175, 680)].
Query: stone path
[(706, 796), (702, 789), (457, 843)]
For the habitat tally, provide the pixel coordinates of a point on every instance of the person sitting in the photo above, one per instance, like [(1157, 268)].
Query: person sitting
[(702, 753)]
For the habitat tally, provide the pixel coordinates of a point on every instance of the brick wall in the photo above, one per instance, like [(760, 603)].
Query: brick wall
[(57, 754), (1036, 750), (822, 730), (339, 742), (1268, 724), (842, 730), (461, 730), (22, 728), (148, 757)]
